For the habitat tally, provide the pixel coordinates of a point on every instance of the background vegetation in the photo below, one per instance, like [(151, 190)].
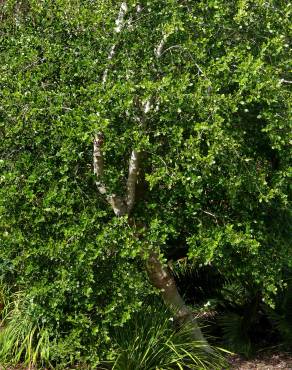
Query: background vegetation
[(214, 186)]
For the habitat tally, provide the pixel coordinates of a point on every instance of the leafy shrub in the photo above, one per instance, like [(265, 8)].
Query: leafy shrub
[(216, 153), (281, 315)]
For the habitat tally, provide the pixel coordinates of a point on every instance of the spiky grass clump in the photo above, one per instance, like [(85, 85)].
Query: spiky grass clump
[(21, 340), (149, 342)]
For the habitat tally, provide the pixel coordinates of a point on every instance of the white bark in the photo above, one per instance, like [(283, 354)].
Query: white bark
[(159, 49), (121, 17), (98, 162), (132, 179), (147, 106), (120, 22), (120, 205), (117, 203)]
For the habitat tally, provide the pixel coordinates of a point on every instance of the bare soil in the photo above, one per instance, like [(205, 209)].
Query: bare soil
[(265, 361)]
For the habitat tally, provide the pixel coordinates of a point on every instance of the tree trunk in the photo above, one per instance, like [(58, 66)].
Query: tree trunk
[(161, 278), (159, 275)]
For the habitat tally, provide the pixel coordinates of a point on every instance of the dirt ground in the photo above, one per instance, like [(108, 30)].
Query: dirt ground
[(265, 361)]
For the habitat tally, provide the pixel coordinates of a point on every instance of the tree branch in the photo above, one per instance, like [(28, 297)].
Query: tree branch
[(98, 161), (134, 167), (117, 203), (170, 48), (159, 49), (120, 22), (285, 81)]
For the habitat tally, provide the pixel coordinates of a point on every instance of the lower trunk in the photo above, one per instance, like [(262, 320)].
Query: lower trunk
[(162, 279)]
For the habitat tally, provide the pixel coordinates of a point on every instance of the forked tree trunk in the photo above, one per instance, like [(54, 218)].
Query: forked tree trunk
[(159, 275)]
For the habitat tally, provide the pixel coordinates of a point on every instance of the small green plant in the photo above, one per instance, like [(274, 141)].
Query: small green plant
[(149, 342), (235, 333), (281, 316), (22, 340), (4, 298)]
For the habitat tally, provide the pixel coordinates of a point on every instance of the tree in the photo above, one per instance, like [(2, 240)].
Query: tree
[(189, 106), (158, 274)]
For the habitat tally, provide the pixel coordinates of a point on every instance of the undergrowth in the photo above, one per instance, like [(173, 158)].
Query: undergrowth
[(21, 340), (149, 342), (236, 313)]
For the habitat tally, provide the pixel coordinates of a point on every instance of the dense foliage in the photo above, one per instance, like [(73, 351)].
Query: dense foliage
[(216, 152)]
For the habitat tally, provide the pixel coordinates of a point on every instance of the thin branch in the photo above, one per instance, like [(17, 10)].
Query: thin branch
[(134, 167), (147, 106), (199, 69), (121, 17), (110, 57), (159, 50), (285, 81), (120, 205), (120, 22), (98, 162), (170, 48), (33, 64), (117, 203), (210, 214)]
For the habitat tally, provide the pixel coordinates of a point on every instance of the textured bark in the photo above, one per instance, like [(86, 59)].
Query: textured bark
[(98, 162), (162, 279), (120, 22), (132, 179), (159, 49), (117, 203)]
